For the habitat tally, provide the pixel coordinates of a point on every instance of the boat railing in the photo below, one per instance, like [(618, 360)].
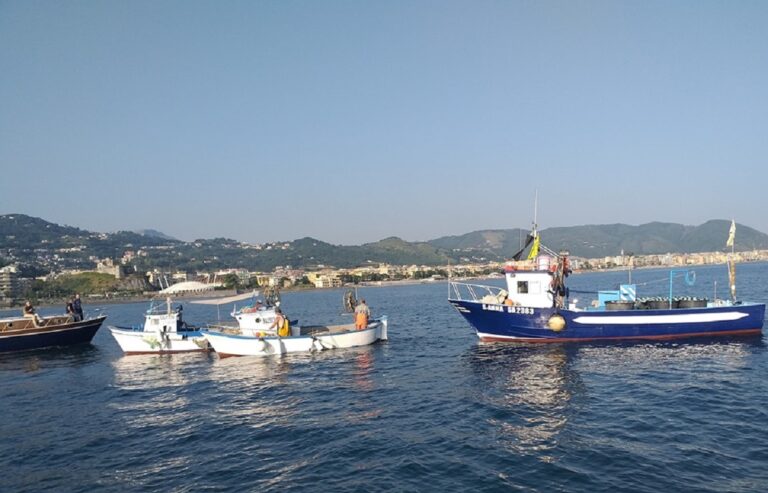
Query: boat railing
[(462, 291)]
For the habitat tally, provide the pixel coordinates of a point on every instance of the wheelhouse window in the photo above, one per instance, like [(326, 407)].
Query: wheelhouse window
[(522, 287)]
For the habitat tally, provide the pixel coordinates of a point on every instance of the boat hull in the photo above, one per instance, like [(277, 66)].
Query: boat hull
[(495, 322), (66, 334), (137, 341), (243, 345)]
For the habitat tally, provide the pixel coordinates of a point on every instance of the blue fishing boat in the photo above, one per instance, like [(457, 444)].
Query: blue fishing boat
[(536, 306)]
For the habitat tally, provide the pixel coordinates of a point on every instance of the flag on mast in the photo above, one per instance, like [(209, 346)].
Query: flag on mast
[(535, 248), (731, 234)]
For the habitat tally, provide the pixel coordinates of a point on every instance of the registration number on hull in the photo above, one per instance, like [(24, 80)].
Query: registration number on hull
[(522, 310)]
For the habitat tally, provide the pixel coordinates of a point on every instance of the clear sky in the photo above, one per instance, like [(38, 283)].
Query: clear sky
[(352, 121)]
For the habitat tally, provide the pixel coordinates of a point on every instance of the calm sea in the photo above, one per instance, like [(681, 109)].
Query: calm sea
[(430, 410)]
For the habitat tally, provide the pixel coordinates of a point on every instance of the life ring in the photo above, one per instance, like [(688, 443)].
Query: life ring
[(556, 322)]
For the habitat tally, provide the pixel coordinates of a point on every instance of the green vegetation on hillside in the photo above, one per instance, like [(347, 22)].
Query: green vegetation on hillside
[(40, 247), (594, 241), (67, 285)]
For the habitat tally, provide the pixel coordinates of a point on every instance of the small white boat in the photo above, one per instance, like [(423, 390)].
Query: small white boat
[(302, 339), (257, 319), (253, 319), (163, 331)]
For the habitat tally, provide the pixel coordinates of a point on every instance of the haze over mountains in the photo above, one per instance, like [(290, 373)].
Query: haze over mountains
[(25, 239), (602, 240)]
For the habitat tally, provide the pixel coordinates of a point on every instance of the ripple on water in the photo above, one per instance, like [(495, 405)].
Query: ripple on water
[(429, 410)]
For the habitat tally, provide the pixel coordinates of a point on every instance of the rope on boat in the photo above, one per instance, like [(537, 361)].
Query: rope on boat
[(582, 291), (264, 345), (663, 279), (319, 343)]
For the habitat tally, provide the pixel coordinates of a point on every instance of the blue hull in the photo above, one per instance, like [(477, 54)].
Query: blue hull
[(60, 335), (514, 323)]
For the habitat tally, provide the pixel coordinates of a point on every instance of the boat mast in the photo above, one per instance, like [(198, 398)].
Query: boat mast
[(730, 261)]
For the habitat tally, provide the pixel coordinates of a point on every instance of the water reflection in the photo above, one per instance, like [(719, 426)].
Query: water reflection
[(255, 391), (686, 359), (40, 359), (363, 367), (529, 390), (154, 390), (362, 372), (153, 371)]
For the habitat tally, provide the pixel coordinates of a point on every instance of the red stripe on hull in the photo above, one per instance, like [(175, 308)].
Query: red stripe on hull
[(623, 338), (133, 353)]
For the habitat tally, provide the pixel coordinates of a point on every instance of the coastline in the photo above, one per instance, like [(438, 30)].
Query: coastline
[(148, 296)]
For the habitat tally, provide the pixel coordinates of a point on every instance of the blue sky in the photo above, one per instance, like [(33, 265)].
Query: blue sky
[(352, 121)]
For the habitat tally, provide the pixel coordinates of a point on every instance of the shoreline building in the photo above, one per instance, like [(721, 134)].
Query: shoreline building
[(9, 286)]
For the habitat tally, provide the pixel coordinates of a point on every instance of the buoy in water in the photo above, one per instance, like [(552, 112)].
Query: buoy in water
[(556, 323)]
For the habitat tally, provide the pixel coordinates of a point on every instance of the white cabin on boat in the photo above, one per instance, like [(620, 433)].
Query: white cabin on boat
[(530, 284), (157, 320), (530, 288)]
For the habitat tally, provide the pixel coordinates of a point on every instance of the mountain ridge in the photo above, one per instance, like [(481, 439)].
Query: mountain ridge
[(25, 238)]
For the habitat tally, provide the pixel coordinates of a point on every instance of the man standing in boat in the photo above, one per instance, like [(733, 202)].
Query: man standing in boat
[(281, 324), (362, 313), (71, 309), (77, 305)]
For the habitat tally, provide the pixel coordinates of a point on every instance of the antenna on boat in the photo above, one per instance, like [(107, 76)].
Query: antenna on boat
[(627, 263), (536, 211)]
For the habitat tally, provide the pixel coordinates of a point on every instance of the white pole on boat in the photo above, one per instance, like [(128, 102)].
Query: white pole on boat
[(731, 262), (449, 279)]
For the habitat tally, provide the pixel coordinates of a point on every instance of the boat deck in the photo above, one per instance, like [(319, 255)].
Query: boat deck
[(305, 330), (316, 330), (24, 324)]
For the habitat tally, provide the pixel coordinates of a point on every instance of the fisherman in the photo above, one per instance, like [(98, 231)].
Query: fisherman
[(29, 312), (362, 312), (71, 309), (77, 305), (281, 323), (180, 323)]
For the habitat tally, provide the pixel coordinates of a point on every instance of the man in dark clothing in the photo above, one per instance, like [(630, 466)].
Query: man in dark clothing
[(71, 309), (78, 308)]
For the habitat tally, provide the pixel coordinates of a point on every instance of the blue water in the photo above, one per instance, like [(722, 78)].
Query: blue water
[(430, 410)]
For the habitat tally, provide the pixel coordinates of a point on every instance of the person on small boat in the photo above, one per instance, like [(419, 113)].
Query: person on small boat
[(29, 312), (362, 313), (78, 308), (71, 310), (180, 323), (281, 323)]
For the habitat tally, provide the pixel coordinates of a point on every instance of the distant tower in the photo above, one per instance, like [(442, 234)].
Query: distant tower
[(9, 287)]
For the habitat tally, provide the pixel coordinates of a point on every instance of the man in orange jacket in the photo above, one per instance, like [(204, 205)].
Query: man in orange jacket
[(362, 312)]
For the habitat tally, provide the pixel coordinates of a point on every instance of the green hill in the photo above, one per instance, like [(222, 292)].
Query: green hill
[(40, 246), (610, 239)]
